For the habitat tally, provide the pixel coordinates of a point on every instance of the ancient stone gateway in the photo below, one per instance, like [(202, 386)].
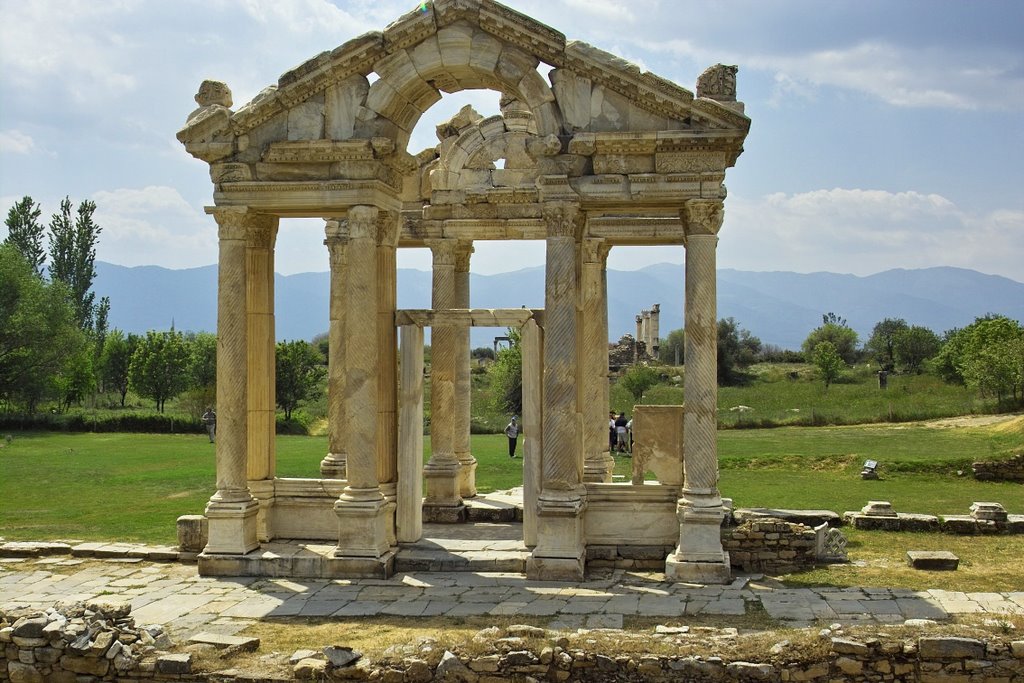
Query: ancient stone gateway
[(596, 155)]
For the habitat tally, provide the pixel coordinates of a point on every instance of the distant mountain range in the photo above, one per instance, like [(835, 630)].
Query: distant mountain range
[(778, 307)]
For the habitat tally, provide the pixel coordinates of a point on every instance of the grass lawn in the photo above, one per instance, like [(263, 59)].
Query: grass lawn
[(133, 486)]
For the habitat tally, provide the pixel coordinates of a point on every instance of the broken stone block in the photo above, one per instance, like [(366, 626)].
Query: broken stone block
[(993, 512), (878, 508), (936, 560)]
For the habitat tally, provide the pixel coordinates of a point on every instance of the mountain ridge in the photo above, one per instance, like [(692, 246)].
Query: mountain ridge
[(779, 307)]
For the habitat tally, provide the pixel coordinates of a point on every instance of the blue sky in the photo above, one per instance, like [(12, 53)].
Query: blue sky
[(885, 134)]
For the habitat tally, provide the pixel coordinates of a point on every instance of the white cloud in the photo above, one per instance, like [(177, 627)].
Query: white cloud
[(153, 225), (867, 231), (607, 10), (16, 142)]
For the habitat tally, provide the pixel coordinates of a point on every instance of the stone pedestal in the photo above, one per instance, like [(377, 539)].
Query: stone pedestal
[(232, 527), (363, 550), (699, 558), (560, 553)]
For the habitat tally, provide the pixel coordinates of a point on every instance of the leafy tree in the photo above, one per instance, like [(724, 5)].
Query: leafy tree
[(993, 358), (506, 374), (116, 359), (882, 343), (673, 348), (202, 366), (914, 346), (76, 377), (159, 367), (322, 342), (637, 379), (737, 350), (828, 361), (25, 232), (835, 330), (300, 370), (73, 257), (37, 331), (482, 352)]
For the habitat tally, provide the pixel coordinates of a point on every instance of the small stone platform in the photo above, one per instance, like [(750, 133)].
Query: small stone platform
[(935, 560)]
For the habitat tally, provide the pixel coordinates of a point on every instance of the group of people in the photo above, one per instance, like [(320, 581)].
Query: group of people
[(620, 432)]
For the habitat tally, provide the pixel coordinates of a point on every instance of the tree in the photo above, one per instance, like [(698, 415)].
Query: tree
[(73, 257), (835, 330), (737, 350), (116, 359), (828, 361), (37, 331), (673, 348), (506, 374), (300, 369), (882, 343), (993, 358), (913, 346), (159, 367), (482, 353), (637, 379), (76, 377), (202, 364), (25, 232)]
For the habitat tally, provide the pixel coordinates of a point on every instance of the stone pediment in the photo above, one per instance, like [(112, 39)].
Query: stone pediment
[(454, 45)]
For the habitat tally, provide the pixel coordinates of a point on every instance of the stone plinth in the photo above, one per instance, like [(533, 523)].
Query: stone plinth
[(193, 534), (935, 560), (699, 557), (993, 512), (878, 508)]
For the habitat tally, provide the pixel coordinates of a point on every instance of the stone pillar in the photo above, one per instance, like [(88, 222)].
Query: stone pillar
[(409, 519), (699, 556), (387, 385), (532, 347), (232, 510), (333, 465), (362, 509), (655, 329), (560, 550), (261, 342), (463, 388), (593, 362), (443, 503), (645, 326), (639, 338)]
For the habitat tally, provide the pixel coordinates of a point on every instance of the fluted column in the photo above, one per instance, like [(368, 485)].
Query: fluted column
[(387, 335), (699, 556), (443, 502), (259, 305), (361, 508), (597, 461), (232, 510), (560, 549), (467, 463), (333, 464)]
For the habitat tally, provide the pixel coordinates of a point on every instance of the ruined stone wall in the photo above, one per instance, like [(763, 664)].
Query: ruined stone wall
[(1000, 470), (770, 545)]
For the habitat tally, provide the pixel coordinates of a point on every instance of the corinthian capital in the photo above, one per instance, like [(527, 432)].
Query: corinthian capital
[(442, 251), (596, 250), (463, 251), (232, 221), (562, 219), (362, 222), (702, 216), (261, 231)]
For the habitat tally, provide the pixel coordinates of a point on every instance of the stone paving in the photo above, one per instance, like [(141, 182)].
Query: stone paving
[(176, 596)]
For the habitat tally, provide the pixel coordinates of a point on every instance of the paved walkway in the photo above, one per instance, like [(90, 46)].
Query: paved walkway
[(176, 596)]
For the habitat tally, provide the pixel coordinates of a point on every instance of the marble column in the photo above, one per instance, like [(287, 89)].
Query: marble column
[(532, 346), (333, 464), (699, 556), (560, 550), (463, 388), (655, 329), (362, 509), (443, 502), (639, 338), (232, 510), (597, 461), (409, 518), (387, 340)]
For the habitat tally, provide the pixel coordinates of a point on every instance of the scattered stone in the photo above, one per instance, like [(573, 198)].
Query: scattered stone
[(299, 655), (174, 664), (950, 648), (936, 560), (451, 668), (236, 643), (339, 656), (310, 669)]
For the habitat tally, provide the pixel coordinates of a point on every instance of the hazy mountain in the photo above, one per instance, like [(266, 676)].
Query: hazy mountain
[(779, 307)]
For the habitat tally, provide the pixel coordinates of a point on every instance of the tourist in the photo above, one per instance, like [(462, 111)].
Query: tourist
[(512, 432), (611, 430), (210, 420), (620, 433)]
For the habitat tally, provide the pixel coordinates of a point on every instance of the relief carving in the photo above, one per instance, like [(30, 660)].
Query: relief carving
[(718, 82)]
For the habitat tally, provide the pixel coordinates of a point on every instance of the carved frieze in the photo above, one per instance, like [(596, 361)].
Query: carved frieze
[(689, 162), (230, 172)]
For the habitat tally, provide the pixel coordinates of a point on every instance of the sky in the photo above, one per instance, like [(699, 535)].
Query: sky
[(885, 134)]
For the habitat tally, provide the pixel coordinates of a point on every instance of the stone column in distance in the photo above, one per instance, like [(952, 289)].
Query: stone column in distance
[(463, 388), (333, 464)]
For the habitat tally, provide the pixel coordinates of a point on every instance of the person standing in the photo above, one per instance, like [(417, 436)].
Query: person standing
[(620, 433), (512, 432), (210, 421)]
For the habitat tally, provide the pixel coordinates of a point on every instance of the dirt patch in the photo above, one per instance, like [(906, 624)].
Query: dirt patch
[(999, 422)]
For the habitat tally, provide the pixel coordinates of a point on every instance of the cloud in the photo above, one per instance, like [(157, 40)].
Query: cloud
[(607, 10), (866, 231), (16, 142), (153, 225)]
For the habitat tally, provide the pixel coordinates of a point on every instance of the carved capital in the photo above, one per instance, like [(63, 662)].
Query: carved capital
[(463, 251), (239, 222), (335, 228), (388, 229), (596, 250), (362, 222), (702, 216), (261, 232), (443, 251), (563, 219)]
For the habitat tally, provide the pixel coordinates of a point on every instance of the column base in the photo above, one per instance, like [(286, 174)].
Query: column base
[(263, 491), (442, 484), (362, 516), (560, 552), (232, 526), (599, 470), (698, 572), (334, 466), (699, 558), (467, 475), (445, 514)]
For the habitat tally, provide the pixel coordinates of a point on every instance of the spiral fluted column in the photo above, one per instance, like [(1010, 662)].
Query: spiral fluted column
[(463, 388), (333, 464), (597, 461), (560, 549), (361, 508), (699, 556), (443, 502)]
